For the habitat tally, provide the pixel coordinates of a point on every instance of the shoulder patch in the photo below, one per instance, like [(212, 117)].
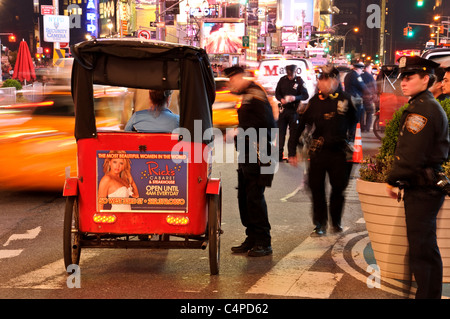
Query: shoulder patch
[(342, 106), (415, 123)]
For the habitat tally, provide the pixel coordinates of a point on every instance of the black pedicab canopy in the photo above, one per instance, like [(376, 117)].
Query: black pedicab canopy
[(142, 64)]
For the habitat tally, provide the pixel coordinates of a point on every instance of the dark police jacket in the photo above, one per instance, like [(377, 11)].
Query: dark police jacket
[(332, 116), (295, 87), (423, 140), (255, 113), (354, 84)]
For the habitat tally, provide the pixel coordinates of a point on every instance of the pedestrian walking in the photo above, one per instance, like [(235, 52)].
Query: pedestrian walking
[(332, 114), (255, 121), (369, 98), (290, 91), (422, 147), (355, 87)]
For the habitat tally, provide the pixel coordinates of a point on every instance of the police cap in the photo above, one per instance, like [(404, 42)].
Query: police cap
[(233, 70), (414, 64), (359, 65), (291, 68)]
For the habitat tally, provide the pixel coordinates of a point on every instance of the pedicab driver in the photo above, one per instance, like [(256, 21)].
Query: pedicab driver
[(422, 147), (254, 114)]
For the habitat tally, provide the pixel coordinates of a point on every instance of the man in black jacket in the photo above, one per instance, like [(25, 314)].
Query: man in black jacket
[(332, 115), (290, 91), (256, 165), (422, 147)]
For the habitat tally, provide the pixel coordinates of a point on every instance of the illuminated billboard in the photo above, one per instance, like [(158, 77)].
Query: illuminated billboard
[(294, 12), (223, 37)]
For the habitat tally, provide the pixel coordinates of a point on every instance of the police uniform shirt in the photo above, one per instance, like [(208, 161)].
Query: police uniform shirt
[(295, 87), (423, 140), (332, 116)]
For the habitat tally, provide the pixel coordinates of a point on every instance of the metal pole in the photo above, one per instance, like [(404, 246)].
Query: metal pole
[(56, 12), (1, 71), (382, 27), (162, 15)]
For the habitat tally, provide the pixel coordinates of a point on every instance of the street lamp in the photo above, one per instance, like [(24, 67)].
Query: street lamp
[(345, 36), (332, 30)]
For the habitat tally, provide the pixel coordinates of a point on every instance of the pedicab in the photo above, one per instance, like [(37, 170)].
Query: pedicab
[(390, 99), (172, 200)]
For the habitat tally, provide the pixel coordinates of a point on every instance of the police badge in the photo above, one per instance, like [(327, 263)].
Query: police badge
[(342, 107), (402, 62)]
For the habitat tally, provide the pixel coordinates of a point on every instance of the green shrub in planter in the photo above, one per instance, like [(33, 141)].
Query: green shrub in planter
[(376, 168), (12, 83)]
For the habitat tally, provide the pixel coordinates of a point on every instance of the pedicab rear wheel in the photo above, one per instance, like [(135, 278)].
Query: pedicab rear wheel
[(214, 232), (71, 236), (378, 130)]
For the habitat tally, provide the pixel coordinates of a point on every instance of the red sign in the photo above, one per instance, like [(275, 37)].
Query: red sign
[(46, 10), (144, 34)]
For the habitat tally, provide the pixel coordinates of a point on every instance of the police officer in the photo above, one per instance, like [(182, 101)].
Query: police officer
[(255, 118), (290, 91), (423, 145), (355, 86), (332, 113)]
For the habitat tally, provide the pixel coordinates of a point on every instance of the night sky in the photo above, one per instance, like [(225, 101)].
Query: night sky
[(406, 11)]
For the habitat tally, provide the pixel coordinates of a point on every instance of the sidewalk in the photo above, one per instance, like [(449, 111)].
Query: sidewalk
[(370, 145)]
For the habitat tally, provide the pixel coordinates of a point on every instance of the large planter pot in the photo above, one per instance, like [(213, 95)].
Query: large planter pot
[(385, 223)]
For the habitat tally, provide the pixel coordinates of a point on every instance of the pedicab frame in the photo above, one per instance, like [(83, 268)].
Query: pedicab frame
[(143, 64), (390, 98)]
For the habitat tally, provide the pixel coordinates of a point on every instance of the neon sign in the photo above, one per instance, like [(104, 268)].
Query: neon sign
[(91, 17)]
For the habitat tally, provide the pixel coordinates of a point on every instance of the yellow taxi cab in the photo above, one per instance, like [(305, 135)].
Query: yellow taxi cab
[(225, 106), (37, 141)]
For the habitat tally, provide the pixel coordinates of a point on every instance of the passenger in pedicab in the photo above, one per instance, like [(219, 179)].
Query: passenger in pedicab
[(157, 118)]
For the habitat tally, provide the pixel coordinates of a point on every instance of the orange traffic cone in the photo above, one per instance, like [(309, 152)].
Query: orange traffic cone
[(357, 154)]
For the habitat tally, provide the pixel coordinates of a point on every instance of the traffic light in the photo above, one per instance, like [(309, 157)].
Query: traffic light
[(307, 35), (47, 52), (410, 32), (405, 31), (12, 38), (420, 3)]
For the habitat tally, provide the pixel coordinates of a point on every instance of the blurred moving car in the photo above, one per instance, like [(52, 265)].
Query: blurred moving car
[(271, 70), (37, 141), (225, 106)]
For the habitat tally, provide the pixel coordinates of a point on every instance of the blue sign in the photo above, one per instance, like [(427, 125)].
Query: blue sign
[(92, 17)]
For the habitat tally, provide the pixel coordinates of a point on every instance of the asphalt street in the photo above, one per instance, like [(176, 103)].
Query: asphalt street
[(335, 267)]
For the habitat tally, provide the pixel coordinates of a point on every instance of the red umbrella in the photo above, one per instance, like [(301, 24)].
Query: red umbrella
[(24, 68)]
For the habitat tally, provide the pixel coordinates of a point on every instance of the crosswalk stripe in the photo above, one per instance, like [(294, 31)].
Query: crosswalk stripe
[(29, 234), (9, 253), (289, 277)]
